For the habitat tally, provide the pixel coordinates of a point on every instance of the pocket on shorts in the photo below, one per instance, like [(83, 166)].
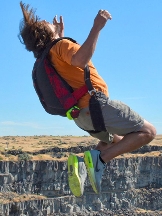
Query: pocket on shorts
[(120, 118), (116, 108), (121, 109)]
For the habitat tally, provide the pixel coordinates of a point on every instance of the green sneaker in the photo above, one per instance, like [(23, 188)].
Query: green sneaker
[(95, 169), (76, 175)]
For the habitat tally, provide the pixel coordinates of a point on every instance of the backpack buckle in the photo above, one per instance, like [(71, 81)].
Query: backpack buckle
[(73, 113), (92, 92)]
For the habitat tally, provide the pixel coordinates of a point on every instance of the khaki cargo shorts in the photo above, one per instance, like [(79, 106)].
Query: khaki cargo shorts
[(119, 119)]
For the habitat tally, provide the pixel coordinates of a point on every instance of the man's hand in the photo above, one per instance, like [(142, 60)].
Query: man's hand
[(59, 26), (101, 19)]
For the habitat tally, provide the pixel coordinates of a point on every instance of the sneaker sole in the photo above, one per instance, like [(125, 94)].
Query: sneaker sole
[(90, 169), (73, 176)]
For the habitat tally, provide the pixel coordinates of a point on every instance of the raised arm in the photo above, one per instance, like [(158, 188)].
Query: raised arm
[(85, 52)]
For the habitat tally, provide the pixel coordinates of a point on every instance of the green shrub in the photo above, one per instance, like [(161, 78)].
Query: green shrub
[(24, 156)]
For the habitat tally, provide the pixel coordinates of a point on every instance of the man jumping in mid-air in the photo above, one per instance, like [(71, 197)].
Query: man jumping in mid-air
[(125, 129)]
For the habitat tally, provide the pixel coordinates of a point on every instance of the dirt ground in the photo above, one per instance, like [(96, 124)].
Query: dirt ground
[(32, 144)]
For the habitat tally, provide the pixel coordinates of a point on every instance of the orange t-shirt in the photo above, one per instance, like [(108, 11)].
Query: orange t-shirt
[(60, 56)]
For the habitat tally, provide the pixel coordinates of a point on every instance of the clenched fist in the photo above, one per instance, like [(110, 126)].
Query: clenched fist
[(101, 19)]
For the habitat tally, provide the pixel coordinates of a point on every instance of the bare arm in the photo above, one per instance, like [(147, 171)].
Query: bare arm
[(85, 52)]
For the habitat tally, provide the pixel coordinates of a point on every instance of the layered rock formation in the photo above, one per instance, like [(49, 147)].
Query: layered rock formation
[(131, 185)]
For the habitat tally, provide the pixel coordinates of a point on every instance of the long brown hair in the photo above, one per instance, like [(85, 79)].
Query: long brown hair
[(33, 33)]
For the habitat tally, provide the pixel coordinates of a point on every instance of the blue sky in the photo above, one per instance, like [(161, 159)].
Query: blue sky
[(128, 56)]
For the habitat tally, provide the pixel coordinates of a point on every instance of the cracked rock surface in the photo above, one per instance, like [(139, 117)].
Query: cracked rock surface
[(131, 185)]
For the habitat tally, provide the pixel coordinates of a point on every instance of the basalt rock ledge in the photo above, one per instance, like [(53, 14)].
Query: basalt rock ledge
[(131, 185)]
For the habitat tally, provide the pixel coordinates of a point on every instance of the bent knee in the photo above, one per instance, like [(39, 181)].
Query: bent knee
[(149, 130)]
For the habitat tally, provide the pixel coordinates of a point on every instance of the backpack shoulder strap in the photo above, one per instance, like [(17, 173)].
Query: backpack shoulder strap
[(46, 51)]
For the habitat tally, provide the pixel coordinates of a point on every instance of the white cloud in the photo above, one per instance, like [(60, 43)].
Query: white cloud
[(25, 124), (28, 124)]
